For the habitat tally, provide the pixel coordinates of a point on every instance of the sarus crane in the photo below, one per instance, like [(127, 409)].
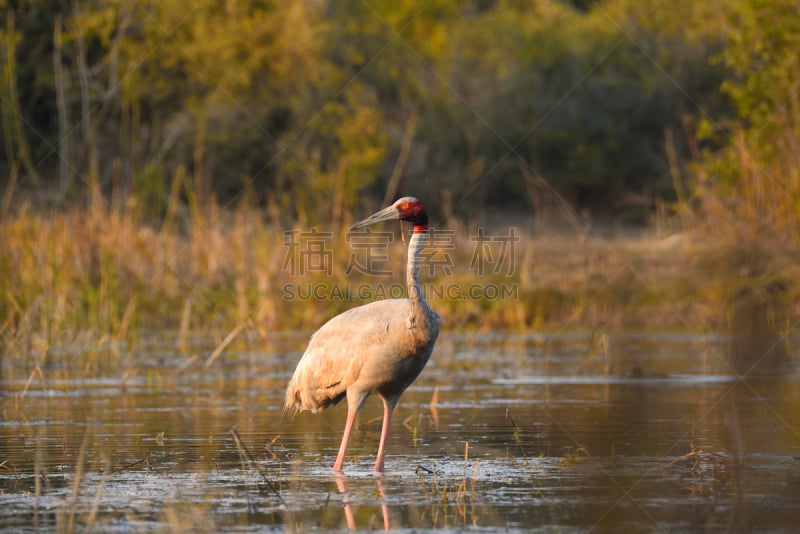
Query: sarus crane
[(379, 348)]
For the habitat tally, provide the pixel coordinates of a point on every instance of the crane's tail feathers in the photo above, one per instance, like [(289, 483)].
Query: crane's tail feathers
[(292, 403), (289, 410), (296, 402)]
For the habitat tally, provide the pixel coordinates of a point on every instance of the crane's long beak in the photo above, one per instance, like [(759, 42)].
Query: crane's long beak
[(386, 214)]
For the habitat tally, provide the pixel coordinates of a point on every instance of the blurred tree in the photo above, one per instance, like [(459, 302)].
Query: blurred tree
[(313, 104), (336, 152), (20, 90), (763, 53), (753, 181), (216, 88)]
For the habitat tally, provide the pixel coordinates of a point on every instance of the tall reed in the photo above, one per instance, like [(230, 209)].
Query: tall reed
[(79, 284)]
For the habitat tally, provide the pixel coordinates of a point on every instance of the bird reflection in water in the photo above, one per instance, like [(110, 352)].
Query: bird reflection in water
[(348, 509)]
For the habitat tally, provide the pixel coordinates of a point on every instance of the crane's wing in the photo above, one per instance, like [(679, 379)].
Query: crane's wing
[(337, 351)]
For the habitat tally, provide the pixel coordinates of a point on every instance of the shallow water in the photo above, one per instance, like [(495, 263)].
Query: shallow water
[(517, 432)]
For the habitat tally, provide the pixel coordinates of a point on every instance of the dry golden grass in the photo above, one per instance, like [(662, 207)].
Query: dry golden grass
[(96, 276)]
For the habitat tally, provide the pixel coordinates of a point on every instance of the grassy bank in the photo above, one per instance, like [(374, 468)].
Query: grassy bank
[(96, 276)]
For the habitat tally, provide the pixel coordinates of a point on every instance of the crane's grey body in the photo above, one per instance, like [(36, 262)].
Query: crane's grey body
[(379, 348)]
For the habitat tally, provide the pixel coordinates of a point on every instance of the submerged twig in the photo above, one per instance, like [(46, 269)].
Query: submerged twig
[(423, 468), (245, 452), (132, 464), (695, 454), (90, 521), (517, 436), (225, 342), (269, 445), (76, 483), (691, 454), (36, 370)]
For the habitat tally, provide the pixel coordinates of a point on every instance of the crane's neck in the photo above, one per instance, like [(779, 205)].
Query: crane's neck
[(418, 239)]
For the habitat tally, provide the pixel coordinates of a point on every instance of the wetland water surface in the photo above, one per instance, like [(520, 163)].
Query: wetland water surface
[(537, 432)]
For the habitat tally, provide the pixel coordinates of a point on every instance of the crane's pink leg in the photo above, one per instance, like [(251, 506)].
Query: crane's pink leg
[(354, 403), (348, 428), (388, 407)]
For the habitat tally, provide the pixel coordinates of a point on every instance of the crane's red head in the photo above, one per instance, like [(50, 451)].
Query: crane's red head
[(405, 209)]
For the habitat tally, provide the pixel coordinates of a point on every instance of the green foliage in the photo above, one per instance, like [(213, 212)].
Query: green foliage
[(582, 98), (763, 54), (335, 155), (751, 182), (306, 104)]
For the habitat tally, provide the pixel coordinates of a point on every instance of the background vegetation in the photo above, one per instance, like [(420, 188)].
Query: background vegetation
[(311, 104), (154, 152)]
